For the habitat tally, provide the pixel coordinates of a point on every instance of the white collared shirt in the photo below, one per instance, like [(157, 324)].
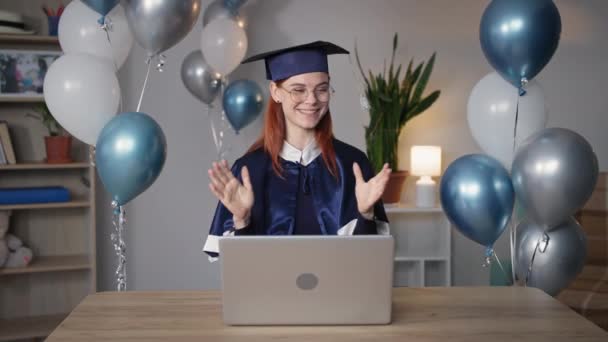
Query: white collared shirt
[(305, 157)]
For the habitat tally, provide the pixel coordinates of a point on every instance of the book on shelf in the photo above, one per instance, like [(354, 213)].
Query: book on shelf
[(7, 144), (2, 155), (28, 195)]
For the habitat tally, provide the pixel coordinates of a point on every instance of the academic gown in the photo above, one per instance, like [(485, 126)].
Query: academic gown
[(307, 199)]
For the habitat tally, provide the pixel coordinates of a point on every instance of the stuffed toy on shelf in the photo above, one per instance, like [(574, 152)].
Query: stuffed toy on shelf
[(12, 251)]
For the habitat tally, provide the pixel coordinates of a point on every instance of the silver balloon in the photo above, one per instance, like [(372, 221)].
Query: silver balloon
[(199, 78), (550, 260), (217, 10), (554, 174), (160, 24)]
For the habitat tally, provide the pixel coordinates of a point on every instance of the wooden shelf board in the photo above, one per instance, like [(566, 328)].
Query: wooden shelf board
[(409, 208), (57, 205), (28, 39), (21, 99), (29, 327), (430, 258), (44, 166), (51, 264)]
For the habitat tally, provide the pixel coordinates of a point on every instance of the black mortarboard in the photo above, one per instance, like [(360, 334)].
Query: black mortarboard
[(295, 60)]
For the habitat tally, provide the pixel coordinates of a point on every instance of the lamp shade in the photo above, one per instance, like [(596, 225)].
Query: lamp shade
[(426, 161)]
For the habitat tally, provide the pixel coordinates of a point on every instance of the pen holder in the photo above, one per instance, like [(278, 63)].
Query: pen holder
[(53, 24)]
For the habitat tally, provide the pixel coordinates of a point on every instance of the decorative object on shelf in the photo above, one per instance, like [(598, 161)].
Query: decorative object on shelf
[(12, 23), (392, 103), (57, 143), (23, 72), (53, 17), (19, 254), (7, 152), (426, 163), (4, 225), (12, 251)]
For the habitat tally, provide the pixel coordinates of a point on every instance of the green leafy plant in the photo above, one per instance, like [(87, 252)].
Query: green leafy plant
[(44, 115), (392, 103)]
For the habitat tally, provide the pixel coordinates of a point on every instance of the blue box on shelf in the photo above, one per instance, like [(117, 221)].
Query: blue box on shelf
[(27, 195)]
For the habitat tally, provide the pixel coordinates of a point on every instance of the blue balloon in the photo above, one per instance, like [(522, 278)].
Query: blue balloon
[(519, 37), (477, 196), (102, 7), (234, 5), (243, 101), (130, 154)]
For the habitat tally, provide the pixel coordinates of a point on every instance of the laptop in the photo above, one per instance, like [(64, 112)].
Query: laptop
[(307, 280)]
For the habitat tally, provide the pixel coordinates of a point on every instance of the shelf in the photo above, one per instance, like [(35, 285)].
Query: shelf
[(29, 327), (71, 204), (51, 264), (28, 39), (407, 258), (21, 99), (44, 166), (409, 208)]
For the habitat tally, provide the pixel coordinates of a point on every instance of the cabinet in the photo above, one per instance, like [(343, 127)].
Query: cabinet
[(422, 245), (36, 298)]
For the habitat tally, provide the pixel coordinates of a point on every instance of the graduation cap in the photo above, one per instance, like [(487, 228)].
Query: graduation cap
[(295, 60)]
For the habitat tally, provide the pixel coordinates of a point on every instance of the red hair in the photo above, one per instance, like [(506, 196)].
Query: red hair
[(273, 135)]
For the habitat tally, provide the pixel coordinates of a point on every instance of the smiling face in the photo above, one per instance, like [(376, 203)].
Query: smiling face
[(304, 99)]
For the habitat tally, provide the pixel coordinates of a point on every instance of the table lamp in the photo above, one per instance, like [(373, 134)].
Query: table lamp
[(425, 162)]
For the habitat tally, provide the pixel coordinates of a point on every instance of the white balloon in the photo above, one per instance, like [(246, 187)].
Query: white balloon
[(491, 113), (83, 94), (80, 31), (224, 44)]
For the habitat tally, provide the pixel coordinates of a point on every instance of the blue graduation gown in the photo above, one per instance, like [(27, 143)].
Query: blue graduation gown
[(306, 200)]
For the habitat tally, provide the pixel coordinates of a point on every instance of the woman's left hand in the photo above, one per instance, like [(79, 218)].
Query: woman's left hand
[(368, 193)]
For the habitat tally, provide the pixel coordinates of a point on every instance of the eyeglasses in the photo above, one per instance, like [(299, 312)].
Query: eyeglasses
[(322, 93)]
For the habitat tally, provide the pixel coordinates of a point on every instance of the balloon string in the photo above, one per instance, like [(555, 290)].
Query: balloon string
[(543, 239), (120, 247), (515, 126), (213, 131), (500, 265), (143, 88), (107, 26), (512, 239)]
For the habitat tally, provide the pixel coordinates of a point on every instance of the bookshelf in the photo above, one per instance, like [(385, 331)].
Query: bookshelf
[(35, 299), (422, 245)]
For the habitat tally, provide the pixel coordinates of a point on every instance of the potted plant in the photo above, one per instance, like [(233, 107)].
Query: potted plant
[(392, 102), (57, 143)]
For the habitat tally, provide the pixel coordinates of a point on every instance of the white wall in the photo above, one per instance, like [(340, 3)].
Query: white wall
[(169, 222)]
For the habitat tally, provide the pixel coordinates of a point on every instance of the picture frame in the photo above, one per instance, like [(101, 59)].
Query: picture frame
[(22, 72)]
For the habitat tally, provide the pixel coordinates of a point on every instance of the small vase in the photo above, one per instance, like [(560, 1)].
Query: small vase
[(392, 192), (58, 149)]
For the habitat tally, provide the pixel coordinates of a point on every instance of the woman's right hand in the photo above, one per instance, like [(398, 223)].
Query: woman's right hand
[(236, 197)]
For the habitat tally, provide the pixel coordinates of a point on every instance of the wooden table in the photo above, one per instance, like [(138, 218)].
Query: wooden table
[(486, 314)]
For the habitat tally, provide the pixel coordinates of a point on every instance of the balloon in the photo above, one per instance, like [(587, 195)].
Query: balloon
[(491, 112), (82, 93), (130, 154), (554, 174), (234, 4), (224, 45), (519, 37), (79, 31), (199, 78), (558, 259), (218, 10), (477, 196), (102, 7), (243, 101), (160, 24)]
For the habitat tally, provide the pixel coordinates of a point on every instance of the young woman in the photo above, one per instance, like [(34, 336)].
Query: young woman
[(297, 178)]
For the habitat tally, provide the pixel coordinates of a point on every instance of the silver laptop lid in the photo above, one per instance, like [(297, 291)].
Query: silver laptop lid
[(272, 280)]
